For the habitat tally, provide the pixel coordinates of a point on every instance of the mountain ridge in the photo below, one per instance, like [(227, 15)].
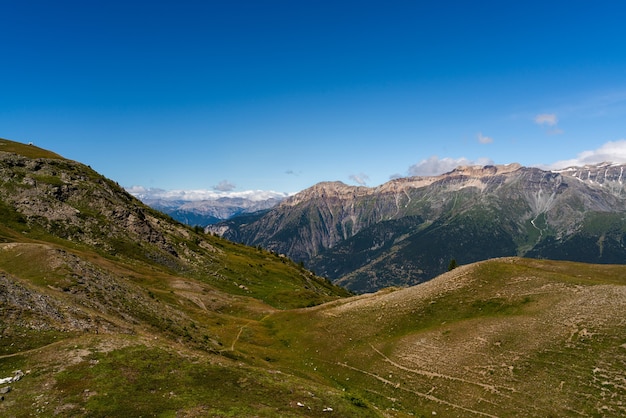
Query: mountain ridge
[(62, 201), (207, 212), (513, 210)]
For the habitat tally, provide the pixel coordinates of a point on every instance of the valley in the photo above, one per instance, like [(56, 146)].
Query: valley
[(110, 307)]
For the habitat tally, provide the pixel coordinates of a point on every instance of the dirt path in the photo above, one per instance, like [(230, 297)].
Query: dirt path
[(491, 388), (415, 392), (32, 350)]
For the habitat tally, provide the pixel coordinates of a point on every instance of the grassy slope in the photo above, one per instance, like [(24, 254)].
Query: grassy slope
[(510, 337), (131, 316), (114, 338), (507, 337), (30, 151)]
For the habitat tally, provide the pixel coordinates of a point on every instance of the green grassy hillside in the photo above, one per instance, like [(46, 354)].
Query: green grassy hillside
[(507, 337), (27, 150)]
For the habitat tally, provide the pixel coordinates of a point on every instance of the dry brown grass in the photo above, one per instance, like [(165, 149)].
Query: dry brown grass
[(509, 337)]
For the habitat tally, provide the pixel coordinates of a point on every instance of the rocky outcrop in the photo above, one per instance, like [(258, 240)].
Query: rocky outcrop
[(73, 202)]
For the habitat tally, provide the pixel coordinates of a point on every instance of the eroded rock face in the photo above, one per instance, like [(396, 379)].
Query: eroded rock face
[(407, 230)]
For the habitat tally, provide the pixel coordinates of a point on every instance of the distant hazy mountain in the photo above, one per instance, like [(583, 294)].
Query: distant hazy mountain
[(408, 230), (203, 207)]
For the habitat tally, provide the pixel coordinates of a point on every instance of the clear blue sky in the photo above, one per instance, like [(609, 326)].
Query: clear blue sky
[(279, 95)]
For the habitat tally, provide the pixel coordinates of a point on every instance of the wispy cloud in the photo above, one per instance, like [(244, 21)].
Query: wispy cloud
[(555, 131), (434, 166), (612, 103), (360, 179), (549, 120), (224, 186), (612, 151), (484, 139), (546, 119)]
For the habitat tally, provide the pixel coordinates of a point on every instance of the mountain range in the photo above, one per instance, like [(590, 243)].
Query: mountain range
[(410, 230), (206, 208), (110, 308)]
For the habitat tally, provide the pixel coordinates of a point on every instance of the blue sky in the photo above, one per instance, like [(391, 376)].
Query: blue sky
[(279, 95)]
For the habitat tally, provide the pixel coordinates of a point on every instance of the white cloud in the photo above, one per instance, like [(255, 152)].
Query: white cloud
[(137, 190), (548, 119), (484, 139), (147, 194), (224, 186), (360, 179), (434, 166), (612, 151)]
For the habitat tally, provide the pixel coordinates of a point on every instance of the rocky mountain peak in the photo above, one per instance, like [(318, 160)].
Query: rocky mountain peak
[(606, 176), (327, 190), (596, 173), (340, 190), (483, 171)]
